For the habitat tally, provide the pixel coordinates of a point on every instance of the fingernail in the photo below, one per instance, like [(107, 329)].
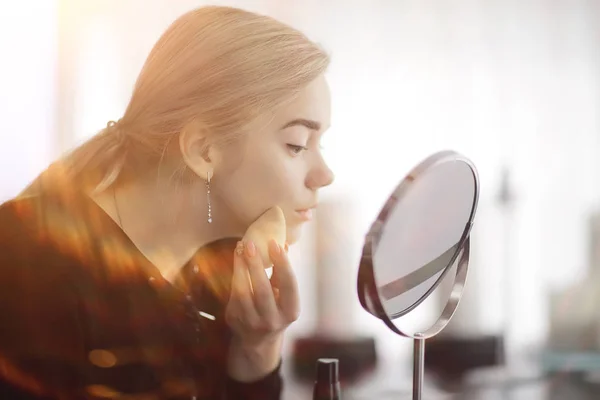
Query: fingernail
[(250, 248), (239, 248)]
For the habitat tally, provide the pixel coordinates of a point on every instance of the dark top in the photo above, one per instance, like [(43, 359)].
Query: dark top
[(83, 314)]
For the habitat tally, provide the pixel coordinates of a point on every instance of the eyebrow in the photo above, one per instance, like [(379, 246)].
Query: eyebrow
[(313, 125)]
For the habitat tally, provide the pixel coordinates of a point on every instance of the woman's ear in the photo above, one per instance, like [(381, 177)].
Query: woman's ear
[(197, 151)]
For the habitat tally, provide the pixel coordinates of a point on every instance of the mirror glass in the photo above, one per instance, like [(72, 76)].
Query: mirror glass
[(420, 240)]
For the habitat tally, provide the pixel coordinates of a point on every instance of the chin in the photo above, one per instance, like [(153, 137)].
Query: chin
[(293, 234)]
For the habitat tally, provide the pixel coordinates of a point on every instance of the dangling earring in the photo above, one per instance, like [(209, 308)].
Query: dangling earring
[(208, 175)]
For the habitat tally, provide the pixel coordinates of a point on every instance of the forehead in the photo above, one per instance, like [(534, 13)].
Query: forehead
[(312, 103)]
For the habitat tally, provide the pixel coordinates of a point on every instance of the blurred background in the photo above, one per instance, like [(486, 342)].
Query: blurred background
[(513, 85)]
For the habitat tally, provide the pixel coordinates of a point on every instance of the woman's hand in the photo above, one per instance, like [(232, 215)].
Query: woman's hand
[(259, 311)]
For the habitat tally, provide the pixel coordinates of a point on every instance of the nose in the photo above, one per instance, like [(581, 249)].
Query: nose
[(320, 176)]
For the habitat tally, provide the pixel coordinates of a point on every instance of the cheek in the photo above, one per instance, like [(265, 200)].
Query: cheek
[(260, 184)]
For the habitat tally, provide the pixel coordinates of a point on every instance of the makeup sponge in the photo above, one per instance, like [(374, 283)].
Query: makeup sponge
[(270, 225)]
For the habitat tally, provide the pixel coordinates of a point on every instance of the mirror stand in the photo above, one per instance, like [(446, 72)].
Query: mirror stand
[(418, 365), (426, 222), (462, 261)]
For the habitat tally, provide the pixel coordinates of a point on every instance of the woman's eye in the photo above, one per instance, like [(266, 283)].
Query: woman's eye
[(295, 149)]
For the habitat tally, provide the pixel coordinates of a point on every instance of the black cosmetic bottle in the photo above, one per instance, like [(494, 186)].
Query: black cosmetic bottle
[(327, 384)]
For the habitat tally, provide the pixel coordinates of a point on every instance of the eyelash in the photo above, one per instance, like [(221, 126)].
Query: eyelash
[(296, 149)]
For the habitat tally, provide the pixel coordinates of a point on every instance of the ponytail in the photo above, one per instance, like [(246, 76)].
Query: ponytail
[(95, 165)]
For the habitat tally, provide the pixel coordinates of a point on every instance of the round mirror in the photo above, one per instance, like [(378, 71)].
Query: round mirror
[(419, 245), (419, 235)]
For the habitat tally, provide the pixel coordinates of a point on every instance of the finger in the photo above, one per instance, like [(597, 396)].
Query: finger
[(241, 293), (289, 301), (263, 293)]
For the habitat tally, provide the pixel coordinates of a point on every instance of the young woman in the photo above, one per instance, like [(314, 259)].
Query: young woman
[(121, 271)]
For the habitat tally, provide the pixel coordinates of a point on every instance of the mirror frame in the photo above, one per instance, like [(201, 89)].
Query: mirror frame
[(366, 283)]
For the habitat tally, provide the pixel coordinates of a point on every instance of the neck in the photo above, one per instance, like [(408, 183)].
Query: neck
[(167, 221)]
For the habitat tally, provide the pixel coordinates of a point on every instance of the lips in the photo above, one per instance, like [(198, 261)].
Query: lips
[(306, 214)]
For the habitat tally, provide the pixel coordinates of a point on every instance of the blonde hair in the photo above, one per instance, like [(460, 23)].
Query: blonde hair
[(218, 68)]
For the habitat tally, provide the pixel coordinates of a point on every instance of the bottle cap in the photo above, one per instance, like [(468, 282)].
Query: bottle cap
[(328, 370)]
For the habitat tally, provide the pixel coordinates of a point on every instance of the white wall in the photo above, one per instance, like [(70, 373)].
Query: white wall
[(28, 41)]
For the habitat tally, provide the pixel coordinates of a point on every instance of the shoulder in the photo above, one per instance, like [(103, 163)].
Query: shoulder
[(33, 282), (33, 222), (14, 213), (26, 253), (45, 235), (20, 223)]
